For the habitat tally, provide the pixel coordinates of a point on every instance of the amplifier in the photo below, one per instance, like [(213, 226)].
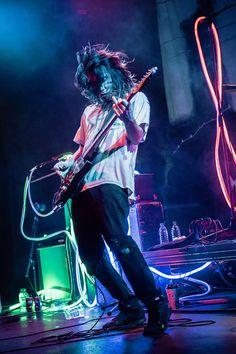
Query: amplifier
[(145, 187), (53, 270)]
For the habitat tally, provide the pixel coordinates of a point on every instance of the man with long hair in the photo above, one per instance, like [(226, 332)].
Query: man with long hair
[(100, 209)]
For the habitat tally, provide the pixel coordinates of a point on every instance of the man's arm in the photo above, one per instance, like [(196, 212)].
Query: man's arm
[(122, 108), (77, 153), (135, 132)]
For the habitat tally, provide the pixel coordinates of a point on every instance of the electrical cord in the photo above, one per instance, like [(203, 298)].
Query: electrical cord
[(193, 297), (55, 329), (35, 239), (94, 333), (209, 288), (191, 136), (192, 323), (180, 275), (69, 341), (215, 261), (200, 227), (30, 197), (80, 268), (223, 277), (106, 335), (46, 331), (71, 337), (83, 335), (89, 332)]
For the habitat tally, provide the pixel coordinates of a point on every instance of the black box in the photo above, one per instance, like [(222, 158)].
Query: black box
[(149, 216)]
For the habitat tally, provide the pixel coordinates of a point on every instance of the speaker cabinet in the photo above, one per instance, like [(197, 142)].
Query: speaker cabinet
[(53, 270)]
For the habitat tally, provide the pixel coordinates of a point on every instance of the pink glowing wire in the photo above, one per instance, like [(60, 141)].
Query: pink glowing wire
[(217, 100)]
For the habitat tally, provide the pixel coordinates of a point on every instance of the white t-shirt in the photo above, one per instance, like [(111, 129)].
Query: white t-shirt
[(118, 154)]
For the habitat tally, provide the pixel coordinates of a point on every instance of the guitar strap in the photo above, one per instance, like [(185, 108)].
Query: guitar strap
[(106, 121)]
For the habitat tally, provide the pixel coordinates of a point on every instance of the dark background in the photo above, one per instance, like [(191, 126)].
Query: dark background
[(40, 113)]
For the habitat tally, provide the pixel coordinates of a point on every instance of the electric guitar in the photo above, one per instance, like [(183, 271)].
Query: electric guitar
[(71, 180)]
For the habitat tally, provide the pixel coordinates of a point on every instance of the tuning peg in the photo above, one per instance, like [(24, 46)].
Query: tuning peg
[(154, 69)]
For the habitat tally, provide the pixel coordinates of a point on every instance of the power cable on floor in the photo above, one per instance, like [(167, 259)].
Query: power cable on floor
[(71, 337)]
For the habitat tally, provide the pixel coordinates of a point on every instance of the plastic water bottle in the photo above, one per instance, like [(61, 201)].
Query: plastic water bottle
[(163, 233), (175, 231), (74, 312), (23, 295)]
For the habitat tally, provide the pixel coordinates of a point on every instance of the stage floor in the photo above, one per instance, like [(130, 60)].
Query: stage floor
[(196, 331)]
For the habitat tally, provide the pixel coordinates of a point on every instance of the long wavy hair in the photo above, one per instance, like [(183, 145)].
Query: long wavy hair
[(93, 59)]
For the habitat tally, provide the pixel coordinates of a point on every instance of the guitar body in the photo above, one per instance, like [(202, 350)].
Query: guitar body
[(71, 183)]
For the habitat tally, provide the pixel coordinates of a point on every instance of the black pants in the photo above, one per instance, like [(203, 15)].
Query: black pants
[(103, 211)]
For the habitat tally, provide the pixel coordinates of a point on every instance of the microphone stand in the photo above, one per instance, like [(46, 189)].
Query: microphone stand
[(31, 261)]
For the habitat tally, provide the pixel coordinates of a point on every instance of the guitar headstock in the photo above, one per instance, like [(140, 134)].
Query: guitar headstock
[(138, 86)]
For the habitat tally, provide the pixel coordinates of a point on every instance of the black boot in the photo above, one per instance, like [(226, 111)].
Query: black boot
[(131, 315), (158, 318)]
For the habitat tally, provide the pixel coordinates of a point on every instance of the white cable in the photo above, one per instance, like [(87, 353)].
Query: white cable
[(179, 276), (30, 198), (200, 282), (45, 236), (83, 291), (72, 240), (80, 266), (79, 269), (185, 276)]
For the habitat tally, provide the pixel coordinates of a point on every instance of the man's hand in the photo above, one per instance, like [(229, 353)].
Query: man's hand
[(62, 167), (121, 107)]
